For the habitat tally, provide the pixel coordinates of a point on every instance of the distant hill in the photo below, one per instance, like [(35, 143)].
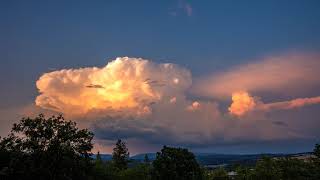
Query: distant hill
[(216, 159), (140, 157), (105, 157), (212, 159)]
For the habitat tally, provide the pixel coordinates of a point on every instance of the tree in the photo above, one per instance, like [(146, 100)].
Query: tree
[(137, 172), (176, 163), (266, 169), (316, 162), (52, 148), (146, 159), (316, 151), (98, 158), (244, 173), (120, 155), (100, 171), (220, 174), (291, 168)]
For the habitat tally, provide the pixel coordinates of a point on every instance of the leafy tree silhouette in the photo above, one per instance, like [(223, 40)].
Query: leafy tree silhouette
[(176, 164), (120, 155), (146, 159), (40, 148)]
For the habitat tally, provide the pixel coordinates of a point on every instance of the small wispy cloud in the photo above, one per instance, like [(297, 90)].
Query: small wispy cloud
[(182, 7), (188, 9)]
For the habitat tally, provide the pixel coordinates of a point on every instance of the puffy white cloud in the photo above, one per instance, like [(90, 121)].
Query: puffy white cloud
[(124, 86), (194, 106), (242, 102)]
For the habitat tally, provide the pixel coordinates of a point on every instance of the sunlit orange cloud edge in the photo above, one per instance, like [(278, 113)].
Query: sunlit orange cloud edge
[(243, 103)]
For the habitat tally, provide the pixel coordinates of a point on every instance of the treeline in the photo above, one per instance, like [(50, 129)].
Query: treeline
[(170, 163), (53, 149), (267, 168)]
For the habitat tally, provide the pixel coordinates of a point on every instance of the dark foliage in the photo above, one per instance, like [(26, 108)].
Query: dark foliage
[(120, 155), (316, 151), (176, 163), (146, 159), (43, 148), (281, 169)]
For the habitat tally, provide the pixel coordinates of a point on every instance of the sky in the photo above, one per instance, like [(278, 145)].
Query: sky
[(212, 76)]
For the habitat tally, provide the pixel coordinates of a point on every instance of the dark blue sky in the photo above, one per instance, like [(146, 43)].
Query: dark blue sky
[(39, 36)]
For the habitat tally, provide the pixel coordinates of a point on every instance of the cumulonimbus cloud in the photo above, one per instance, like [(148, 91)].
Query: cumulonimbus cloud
[(125, 86), (134, 98)]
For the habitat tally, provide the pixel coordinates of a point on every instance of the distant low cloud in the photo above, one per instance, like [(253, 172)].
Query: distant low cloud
[(243, 103), (289, 74)]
